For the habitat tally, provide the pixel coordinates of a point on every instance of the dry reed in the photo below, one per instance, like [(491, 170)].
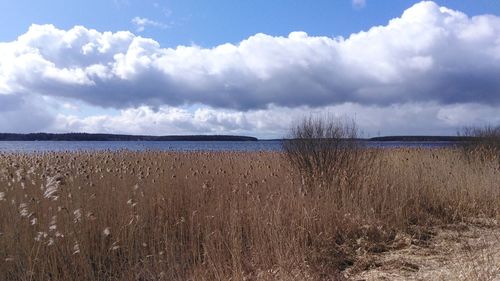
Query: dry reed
[(220, 215)]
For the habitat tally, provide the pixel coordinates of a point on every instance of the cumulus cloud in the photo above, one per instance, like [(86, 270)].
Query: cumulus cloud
[(423, 118), (23, 114), (142, 23), (430, 55)]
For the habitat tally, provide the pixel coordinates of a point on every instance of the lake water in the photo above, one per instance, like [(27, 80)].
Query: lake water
[(272, 145)]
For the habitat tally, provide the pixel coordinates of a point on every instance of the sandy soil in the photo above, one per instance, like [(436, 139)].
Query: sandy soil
[(468, 251)]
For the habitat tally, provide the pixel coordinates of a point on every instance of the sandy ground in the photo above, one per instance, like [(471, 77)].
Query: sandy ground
[(468, 251)]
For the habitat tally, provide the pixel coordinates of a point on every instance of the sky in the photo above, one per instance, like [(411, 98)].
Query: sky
[(248, 67)]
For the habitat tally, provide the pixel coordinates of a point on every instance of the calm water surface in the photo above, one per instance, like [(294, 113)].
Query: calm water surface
[(274, 145)]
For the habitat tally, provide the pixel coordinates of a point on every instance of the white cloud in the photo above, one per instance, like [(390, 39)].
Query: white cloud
[(24, 114), (359, 3), (430, 55), (142, 23), (423, 118)]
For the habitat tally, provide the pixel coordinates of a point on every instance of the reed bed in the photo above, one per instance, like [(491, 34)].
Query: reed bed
[(222, 215)]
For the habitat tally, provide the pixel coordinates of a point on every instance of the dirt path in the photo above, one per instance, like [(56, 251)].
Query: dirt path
[(456, 252)]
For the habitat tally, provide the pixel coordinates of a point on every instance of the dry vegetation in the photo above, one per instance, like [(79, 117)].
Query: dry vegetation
[(484, 142), (226, 215)]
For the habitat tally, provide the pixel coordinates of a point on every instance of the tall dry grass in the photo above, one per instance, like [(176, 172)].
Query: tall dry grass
[(220, 215)]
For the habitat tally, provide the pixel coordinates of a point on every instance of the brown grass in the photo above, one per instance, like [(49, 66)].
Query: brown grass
[(221, 215)]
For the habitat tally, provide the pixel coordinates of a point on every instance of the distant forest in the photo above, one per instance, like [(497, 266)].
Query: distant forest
[(422, 138), (113, 137)]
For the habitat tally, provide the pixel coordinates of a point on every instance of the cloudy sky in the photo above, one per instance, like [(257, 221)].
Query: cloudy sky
[(248, 67)]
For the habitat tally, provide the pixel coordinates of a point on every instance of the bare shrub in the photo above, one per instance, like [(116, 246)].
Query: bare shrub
[(326, 152), (482, 142)]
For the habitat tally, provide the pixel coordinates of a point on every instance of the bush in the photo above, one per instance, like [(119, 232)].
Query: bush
[(326, 152), (483, 142)]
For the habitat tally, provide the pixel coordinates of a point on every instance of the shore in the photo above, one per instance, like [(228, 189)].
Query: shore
[(412, 214)]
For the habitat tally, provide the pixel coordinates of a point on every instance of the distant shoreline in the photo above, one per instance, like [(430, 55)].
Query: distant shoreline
[(116, 137), (422, 138), (122, 137)]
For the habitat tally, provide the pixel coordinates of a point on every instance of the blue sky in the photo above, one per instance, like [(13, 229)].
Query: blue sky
[(210, 23), (248, 67)]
